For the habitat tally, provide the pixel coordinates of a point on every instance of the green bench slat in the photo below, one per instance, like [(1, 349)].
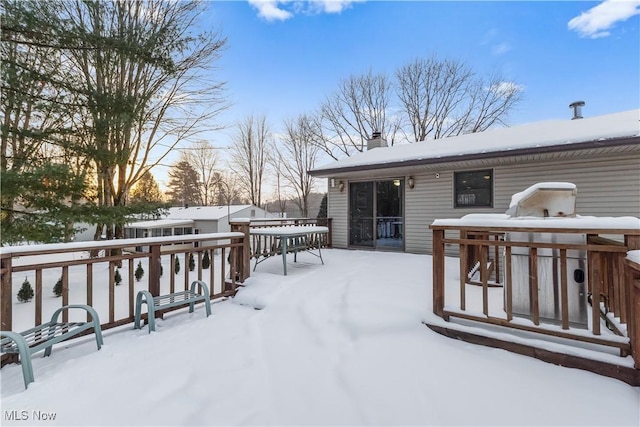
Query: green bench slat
[(155, 303), (44, 336)]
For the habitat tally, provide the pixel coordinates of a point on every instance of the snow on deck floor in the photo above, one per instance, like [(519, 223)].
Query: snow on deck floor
[(339, 344)]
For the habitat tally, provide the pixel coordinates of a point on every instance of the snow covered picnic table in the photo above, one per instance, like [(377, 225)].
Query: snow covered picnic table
[(299, 237)]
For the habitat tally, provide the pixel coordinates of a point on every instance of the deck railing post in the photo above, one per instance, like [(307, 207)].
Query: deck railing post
[(633, 326), (6, 296), (243, 252), (633, 291), (154, 270), (6, 303), (438, 272)]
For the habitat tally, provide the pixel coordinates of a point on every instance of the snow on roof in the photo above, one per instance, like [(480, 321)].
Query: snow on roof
[(528, 136), (205, 212), (160, 223)]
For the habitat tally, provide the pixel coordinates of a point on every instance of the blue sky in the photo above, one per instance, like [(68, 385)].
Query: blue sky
[(285, 67), (284, 57)]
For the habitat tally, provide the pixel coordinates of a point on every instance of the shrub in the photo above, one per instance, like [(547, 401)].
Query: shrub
[(176, 266), (139, 273), (206, 261), (117, 277), (25, 294), (192, 262), (57, 288)]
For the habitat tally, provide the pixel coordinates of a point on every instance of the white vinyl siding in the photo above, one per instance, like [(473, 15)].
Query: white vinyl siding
[(337, 209)]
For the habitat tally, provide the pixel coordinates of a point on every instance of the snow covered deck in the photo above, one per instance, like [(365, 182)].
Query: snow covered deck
[(341, 345), (546, 266)]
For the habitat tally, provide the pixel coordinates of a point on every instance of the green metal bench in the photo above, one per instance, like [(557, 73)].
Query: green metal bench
[(175, 299), (44, 336)]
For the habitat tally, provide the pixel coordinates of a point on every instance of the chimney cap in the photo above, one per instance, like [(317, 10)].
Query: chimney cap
[(376, 134), (577, 104)]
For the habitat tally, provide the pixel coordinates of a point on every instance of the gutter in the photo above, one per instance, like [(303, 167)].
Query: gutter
[(600, 143)]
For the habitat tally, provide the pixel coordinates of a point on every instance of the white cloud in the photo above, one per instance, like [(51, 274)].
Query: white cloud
[(269, 10), (281, 10), (506, 88), (333, 6), (596, 22)]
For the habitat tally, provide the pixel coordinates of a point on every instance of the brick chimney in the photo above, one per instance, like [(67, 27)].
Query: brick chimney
[(376, 141)]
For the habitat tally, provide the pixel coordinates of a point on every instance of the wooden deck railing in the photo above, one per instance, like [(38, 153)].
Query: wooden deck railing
[(288, 222), (632, 273), (260, 246), (614, 292), (91, 280)]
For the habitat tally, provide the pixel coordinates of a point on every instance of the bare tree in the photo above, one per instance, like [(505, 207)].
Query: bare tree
[(203, 159), (297, 154), (249, 156), (229, 191), (280, 200), (445, 98), (350, 116), (491, 101)]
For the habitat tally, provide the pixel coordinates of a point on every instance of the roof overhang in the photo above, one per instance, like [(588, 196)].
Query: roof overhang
[(612, 143)]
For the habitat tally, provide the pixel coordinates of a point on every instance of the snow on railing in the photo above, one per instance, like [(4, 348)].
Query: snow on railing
[(108, 274)]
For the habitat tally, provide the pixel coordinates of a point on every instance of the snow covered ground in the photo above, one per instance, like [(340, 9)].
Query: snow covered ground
[(339, 344)]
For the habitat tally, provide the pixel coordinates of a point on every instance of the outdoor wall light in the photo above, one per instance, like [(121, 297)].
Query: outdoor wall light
[(341, 186), (411, 182)]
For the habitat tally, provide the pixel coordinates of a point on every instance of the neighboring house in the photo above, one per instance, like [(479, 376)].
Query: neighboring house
[(158, 228), (386, 198), (194, 220)]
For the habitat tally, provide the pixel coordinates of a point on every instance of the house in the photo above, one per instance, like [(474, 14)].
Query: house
[(386, 197), (194, 220)]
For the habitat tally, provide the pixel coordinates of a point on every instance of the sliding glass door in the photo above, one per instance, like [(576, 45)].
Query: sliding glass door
[(389, 216), (376, 217), (361, 214)]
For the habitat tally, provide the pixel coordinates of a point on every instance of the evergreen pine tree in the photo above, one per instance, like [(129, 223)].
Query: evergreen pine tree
[(322, 212), (206, 261), (192, 262), (176, 266), (117, 277), (139, 271), (25, 294), (57, 288)]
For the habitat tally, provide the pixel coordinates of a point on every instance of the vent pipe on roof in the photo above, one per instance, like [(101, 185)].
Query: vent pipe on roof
[(577, 109)]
